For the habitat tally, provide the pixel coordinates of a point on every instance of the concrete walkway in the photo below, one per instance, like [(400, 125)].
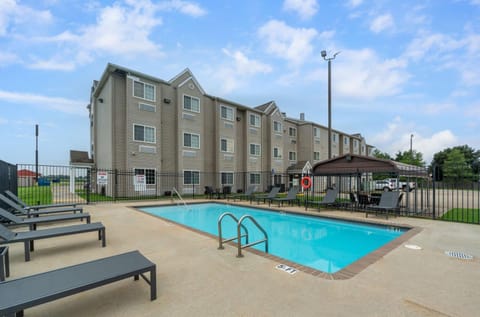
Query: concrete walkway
[(196, 279)]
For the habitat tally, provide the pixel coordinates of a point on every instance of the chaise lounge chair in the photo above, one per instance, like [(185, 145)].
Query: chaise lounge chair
[(20, 294), (328, 200), (248, 194), (32, 222), (27, 237), (291, 197), (20, 202), (389, 201), (29, 212), (264, 197)]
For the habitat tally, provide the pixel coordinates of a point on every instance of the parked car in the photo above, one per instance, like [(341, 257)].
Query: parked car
[(390, 184)]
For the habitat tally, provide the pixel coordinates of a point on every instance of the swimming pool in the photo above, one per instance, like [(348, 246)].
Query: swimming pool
[(320, 243)]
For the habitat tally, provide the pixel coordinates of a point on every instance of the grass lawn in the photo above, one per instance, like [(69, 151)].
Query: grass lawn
[(35, 195), (468, 215)]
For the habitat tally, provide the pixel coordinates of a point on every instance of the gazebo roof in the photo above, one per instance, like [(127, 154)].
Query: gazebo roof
[(355, 164)]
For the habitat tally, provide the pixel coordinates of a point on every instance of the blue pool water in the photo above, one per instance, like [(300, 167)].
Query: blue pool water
[(320, 243)]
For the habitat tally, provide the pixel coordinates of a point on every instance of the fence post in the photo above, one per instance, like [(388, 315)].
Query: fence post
[(89, 182), (434, 176)]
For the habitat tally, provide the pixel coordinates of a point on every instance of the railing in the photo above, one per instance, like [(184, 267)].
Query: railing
[(239, 236), (220, 237), (179, 196)]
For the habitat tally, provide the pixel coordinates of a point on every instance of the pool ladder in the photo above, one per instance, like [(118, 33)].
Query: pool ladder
[(239, 233)]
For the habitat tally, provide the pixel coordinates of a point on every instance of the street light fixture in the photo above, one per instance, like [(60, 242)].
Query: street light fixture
[(329, 60), (411, 148)]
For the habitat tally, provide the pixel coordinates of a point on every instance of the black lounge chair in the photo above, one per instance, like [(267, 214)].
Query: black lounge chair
[(22, 293), (17, 199), (247, 195), (210, 192), (328, 200), (27, 237), (389, 201), (32, 222), (29, 212), (291, 197), (272, 194)]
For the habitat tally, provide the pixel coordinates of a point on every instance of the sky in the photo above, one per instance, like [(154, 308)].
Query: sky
[(405, 68)]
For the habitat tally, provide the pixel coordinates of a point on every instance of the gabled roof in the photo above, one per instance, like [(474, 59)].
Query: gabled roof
[(27, 173), (189, 76), (300, 167), (350, 164), (268, 107)]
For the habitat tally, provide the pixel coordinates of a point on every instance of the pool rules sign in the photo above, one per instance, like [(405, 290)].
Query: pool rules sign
[(102, 178)]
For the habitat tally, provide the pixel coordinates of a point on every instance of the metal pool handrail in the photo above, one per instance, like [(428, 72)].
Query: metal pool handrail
[(219, 224), (239, 244)]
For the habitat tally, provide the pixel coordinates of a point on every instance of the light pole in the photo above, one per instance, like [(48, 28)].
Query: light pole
[(36, 153), (411, 148), (329, 60)]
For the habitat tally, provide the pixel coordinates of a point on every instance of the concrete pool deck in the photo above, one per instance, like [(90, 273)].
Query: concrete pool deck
[(196, 279)]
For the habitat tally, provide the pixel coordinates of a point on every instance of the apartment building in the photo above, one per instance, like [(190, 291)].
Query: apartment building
[(148, 125)]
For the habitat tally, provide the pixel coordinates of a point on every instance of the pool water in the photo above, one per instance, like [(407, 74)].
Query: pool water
[(324, 244)]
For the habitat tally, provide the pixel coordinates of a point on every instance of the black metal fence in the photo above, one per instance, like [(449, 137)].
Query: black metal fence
[(450, 199)]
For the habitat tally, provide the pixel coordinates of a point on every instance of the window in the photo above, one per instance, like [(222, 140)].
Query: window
[(345, 140), (277, 153), (316, 156), (277, 126), (316, 132), (355, 143), (191, 140), (227, 145), (292, 156), (149, 175), (146, 107), (227, 178), (255, 178), (191, 103), (255, 120), (227, 113), (143, 90), (143, 133), (334, 137), (255, 149), (292, 132), (191, 177)]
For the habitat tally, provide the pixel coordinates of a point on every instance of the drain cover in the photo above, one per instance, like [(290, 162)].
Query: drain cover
[(459, 255)]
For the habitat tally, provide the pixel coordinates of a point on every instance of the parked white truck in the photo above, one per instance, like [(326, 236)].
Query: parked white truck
[(390, 184)]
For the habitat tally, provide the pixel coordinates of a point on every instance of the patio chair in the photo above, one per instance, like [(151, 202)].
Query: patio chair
[(389, 201), (29, 212), (29, 291), (291, 197), (328, 200), (27, 237), (20, 202), (264, 197), (248, 194), (32, 222), (210, 192)]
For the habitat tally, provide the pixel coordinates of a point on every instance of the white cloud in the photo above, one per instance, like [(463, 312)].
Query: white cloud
[(184, 7), (396, 137), (291, 44), (362, 74), (7, 58), (437, 108), (45, 102), (382, 23), (238, 70), (304, 8), (13, 14), (354, 3)]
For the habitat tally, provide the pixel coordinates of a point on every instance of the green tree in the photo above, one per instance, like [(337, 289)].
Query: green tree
[(471, 156), (410, 157), (381, 155), (455, 166)]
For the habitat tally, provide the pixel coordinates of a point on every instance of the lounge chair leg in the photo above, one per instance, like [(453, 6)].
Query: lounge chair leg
[(136, 277), (101, 235), (153, 283), (27, 250)]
